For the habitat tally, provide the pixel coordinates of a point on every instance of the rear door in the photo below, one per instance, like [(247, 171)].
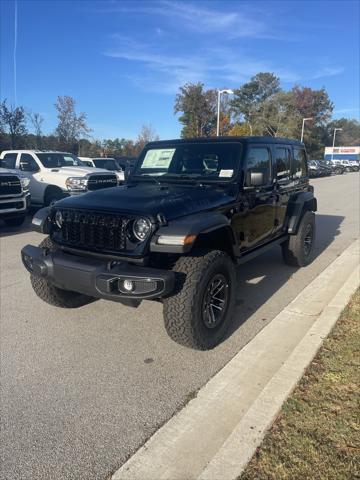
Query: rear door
[(283, 183), (254, 222)]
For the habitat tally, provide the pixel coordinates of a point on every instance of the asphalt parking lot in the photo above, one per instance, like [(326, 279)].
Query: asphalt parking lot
[(82, 389)]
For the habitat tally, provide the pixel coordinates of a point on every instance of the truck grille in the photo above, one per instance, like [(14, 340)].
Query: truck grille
[(92, 230), (10, 185), (96, 182)]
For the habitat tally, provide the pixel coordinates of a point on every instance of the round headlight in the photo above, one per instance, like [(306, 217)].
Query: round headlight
[(58, 218), (141, 227)]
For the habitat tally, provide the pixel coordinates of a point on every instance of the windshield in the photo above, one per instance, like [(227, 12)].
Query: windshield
[(203, 161), (107, 163), (56, 160)]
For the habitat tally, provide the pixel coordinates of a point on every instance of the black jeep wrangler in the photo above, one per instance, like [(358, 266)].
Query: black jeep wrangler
[(191, 210)]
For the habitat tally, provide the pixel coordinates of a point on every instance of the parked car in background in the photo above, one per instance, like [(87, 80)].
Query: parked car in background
[(325, 169), (105, 163), (336, 168), (354, 165), (14, 197), (319, 168), (349, 165), (313, 169), (55, 175)]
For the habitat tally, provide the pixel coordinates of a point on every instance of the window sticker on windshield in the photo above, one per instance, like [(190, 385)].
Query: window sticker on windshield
[(226, 173), (160, 158)]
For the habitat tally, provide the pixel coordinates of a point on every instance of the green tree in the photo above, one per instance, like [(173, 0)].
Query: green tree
[(198, 110), (348, 136), (248, 100)]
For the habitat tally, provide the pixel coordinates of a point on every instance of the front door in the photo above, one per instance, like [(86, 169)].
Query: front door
[(255, 217), (31, 170)]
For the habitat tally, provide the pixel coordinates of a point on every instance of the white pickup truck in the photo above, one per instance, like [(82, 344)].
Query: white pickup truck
[(108, 163), (55, 175), (14, 197)]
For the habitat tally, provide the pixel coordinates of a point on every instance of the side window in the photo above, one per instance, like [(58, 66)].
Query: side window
[(282, 158), (298, 169), (259, 161), (9, 160), (27, 163)]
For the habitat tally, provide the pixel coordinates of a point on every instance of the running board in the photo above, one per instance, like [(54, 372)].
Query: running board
[(260, 250)]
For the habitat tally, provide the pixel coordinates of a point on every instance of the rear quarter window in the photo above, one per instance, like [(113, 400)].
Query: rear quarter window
[(298, 167)]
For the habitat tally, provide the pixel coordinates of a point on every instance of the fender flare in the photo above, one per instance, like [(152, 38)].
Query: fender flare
[(41, 220), (196, 224), (303, 201)]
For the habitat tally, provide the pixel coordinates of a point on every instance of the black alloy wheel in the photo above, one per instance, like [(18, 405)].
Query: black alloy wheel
[(215, 301)]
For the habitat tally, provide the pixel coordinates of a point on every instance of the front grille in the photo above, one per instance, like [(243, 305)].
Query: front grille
[(11, 205), (10, 185), (96, 182), (93, 230)]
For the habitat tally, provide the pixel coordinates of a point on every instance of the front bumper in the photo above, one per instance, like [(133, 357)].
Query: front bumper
[(14, 206), (97, 278)]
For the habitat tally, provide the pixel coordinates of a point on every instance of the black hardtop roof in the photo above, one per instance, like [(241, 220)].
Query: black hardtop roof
[(243, 140)]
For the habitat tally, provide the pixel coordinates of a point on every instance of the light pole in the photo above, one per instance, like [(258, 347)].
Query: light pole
[(303, 125), (332, 152), (229, 92)]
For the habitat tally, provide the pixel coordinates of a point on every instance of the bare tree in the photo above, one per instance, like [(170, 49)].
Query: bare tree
[(14, 123), (37, 120), (71, 125), (146, 135)]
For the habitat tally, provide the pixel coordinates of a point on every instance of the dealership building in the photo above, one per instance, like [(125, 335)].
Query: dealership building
[(342, 153)]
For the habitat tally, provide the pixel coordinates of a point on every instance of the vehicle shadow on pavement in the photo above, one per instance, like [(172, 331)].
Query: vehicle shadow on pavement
[(260, 279), (6, 231)]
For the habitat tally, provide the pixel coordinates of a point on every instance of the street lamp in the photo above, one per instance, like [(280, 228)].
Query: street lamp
[(332, 152), (229, 92), (303, 125)]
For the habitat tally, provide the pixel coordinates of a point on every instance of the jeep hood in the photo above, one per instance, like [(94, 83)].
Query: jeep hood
[(78, 171), (171, 200)]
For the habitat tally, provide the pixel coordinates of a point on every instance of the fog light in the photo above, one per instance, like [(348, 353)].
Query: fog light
[(28, 262), (128, 285)]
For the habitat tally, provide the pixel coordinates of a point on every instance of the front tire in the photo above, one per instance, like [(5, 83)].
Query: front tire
[(52, 197), (298, 250), (53, 295), (198, 315)]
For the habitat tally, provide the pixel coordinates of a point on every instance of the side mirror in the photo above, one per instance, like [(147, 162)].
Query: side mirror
[(128, 171), (255, 179), (26, 167)]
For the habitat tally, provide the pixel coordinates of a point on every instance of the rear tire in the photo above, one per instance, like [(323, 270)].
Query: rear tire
[(298, 250), (53, 295), (14, 222), (199, 313)]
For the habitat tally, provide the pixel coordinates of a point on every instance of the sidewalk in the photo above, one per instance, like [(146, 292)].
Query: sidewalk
[(316, 433), (216, 434)]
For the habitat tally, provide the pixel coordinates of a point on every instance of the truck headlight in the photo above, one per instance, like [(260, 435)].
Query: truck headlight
[(76, 183), (141, 228), (25, 182)]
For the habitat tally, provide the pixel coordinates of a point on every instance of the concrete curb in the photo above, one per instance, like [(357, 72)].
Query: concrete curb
[(216, 434), (239, 448)]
